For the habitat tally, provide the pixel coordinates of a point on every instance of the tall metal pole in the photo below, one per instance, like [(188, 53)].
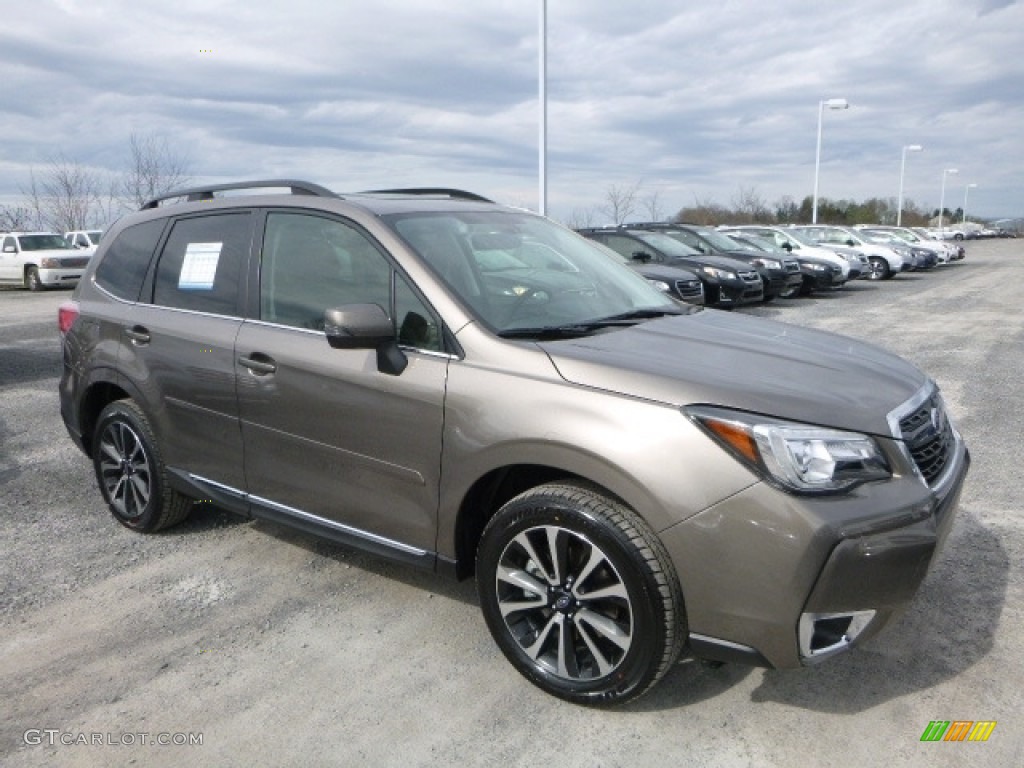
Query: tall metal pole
[(942, 196), (543, 149), (903, 167), (831, 104), (966, 190), (817, 165)]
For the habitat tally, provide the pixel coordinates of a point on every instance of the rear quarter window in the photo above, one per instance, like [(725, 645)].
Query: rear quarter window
[(125, 263)]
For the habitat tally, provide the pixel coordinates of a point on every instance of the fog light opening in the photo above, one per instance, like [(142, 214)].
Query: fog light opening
[(824, 634)]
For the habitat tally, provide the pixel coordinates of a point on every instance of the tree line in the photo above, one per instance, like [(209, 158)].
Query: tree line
[(624, 203), (66, 195)]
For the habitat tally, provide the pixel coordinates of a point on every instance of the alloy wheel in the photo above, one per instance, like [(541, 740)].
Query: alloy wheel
[(125, 470), (564, 603)]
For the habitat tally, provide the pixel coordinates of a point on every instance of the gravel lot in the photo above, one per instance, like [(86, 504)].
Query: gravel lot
[(279, 650)]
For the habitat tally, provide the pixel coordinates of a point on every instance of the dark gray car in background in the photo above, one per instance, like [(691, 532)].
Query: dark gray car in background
[(627, 478)]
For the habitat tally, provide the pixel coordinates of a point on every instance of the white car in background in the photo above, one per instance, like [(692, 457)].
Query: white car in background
[(883, 260), (796, 243), (39, 260)]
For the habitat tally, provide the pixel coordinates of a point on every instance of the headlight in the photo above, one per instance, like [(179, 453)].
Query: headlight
[(818, 267), (49, 262), (721, 274), (661, 285), (768, 263), (798, 457)]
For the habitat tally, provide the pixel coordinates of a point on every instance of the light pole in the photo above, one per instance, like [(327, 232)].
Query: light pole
[(543, 96), (967, 189), (831, 104), (942, 197), (903, 168)]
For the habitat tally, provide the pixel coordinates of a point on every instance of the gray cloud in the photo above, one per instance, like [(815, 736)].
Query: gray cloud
[(695, 99)]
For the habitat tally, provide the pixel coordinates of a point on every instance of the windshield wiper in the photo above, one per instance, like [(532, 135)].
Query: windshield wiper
[(573, 330)]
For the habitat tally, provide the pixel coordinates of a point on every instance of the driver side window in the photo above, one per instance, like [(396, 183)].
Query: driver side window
[(312, 263)]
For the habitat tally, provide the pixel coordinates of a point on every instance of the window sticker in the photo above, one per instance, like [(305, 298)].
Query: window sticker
[(199, 266)]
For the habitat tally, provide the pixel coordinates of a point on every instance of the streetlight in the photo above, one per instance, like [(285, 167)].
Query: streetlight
[(942, 197), (966, 190), (831, 104), (543, 97), (903, 167)]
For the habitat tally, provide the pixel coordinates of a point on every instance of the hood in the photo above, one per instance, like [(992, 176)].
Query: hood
[(714, 260), (747, 363), (663, 272)]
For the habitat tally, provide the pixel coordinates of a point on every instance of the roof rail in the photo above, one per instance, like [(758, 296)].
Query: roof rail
[(205, 192), (457, 194)]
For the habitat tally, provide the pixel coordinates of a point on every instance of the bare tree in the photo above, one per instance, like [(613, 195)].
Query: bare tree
[(653, 206), (580, 218), (706, 212), (65, 197), (621, 202), (750, 207), (15, 217), (154, 169)]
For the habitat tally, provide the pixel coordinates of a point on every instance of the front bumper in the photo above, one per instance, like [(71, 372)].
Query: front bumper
[(57, 277), (780, 580)]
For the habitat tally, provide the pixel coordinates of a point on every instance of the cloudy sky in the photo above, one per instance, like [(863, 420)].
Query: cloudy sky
[(695, 100)]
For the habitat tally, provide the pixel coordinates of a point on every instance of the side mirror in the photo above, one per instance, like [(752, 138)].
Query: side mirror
[(851, 243), (366, 326), (642, 256), (788, 247)]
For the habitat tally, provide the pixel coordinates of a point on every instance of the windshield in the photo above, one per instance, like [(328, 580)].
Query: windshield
[(719, 241), (43, 243), (666, 244), (518, 271), (802, 237)]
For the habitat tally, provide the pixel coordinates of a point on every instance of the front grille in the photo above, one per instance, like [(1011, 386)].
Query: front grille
[(929, 437), (791, 266), (74, 263), (689, 289), (750, 277)]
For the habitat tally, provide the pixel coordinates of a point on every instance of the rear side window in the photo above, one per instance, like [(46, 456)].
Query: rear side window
[(126, 261), (200, 263)]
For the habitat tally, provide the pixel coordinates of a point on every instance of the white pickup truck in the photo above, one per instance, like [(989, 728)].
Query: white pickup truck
[(84, 239), (39, 260)]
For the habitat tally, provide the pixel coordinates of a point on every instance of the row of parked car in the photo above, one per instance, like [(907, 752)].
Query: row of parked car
[(736, 265), (40, 260)]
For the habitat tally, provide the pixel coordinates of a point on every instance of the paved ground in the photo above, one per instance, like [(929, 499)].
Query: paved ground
[(277, 650)]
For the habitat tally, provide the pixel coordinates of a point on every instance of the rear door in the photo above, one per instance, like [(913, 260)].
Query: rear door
[(180, 339), (330, 441)]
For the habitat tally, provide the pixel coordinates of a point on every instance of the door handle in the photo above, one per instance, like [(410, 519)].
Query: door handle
[(138, 334), (259, 364)]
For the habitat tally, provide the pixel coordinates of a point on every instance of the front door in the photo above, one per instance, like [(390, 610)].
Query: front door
[(329, 439)]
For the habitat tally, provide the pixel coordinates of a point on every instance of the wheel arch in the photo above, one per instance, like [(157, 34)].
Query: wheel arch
[(493, 490)]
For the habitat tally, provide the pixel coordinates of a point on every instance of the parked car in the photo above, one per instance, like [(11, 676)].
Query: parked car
[(883, 260), (679, 283), (626, 477), (727, 282), (39, 260), (84, 239), (781, 275), (955, 249), (817, 274), (927, 255), (795, 243)]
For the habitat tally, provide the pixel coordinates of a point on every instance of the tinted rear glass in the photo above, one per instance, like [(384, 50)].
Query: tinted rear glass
[(125, 263)]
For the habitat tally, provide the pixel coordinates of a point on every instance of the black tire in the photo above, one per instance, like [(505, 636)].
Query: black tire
[(33, 281), (879, 268), (618, 643), (130, 472)]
